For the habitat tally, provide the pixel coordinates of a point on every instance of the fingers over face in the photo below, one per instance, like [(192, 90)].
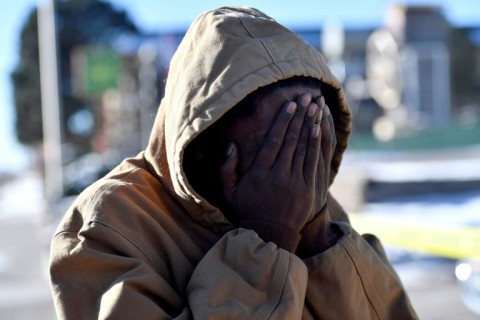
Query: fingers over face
[(328, 135), (320, 101), (328, 144), (308, 149), (296, 139), (274, 138), (301, 130)]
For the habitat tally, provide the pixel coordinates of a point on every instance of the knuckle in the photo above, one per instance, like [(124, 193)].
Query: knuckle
[(257, 177), (273, 142), (291, 137), (280, 180), (310, 165), (302, 147)]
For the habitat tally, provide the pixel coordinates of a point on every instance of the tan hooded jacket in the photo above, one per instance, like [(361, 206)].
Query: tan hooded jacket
[(142, 244)]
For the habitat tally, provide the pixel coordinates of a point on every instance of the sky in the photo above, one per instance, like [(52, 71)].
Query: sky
[(155, 16)]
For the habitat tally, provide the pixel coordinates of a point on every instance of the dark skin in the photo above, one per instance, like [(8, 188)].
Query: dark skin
[(277, 167)]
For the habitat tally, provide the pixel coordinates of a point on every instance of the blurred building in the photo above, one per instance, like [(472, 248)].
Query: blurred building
[(123, 87), (422, 35), (416, 72)]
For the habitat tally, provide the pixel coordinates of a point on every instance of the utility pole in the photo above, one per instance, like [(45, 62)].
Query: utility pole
[(52, 133)]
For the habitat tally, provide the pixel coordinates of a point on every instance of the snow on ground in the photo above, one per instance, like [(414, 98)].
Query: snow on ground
[(22, 196), (462, 209)]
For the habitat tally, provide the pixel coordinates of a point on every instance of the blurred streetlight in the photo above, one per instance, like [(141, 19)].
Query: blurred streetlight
[(52, 138)]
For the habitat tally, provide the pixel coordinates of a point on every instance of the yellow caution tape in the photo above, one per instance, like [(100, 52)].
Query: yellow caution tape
[(448, 241)]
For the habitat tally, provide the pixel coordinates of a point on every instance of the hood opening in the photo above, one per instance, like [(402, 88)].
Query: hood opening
[(207, 152)]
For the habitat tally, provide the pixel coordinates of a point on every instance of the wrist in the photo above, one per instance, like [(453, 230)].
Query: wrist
[(318, 235), (283, 236)]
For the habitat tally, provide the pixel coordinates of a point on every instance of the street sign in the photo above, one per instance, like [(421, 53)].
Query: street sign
[(95, 70)]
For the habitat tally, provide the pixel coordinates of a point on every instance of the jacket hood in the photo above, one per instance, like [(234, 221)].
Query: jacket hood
[(226, 54)]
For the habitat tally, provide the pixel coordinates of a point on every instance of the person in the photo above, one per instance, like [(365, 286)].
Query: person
[(226, 214)]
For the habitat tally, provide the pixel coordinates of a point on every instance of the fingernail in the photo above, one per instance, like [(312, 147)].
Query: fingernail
[(316, 131), (229, 150), (321, 103), (312, 109), (305, 99), (291, 107)]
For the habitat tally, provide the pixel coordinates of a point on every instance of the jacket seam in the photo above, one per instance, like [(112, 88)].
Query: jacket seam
[(124, 237), (109, 228), (361, 279), (284, 263), (264, 45)]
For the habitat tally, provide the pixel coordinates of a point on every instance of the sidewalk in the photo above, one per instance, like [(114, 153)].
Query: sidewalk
[(432, 288), (24, 285)]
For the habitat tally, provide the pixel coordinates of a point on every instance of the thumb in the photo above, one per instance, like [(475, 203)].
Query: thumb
[(228, 173)]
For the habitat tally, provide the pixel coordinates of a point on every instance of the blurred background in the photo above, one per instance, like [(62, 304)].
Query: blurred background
[(81, 81)]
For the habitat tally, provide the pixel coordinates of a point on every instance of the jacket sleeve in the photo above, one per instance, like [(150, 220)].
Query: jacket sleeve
[(242, 277), (98, 273), (354, 280)]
